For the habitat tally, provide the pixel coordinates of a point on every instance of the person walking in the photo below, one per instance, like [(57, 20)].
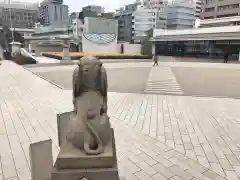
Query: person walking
[(226, 58), (155, 59)]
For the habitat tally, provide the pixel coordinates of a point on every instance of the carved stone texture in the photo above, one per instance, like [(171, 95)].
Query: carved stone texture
[(67, 164), (90, 129), (88, 150)]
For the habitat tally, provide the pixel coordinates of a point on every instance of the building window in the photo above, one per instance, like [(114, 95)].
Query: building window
[(227, 15), (226, 7), (209, 1), (209, 9)]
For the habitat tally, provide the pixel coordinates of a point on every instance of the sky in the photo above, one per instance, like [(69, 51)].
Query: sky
[(76, 5)]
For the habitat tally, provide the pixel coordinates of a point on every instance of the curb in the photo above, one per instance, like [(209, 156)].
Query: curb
[(73, 63), (53, 83)]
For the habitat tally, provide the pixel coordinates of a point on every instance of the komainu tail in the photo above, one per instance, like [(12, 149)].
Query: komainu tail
[(96, 137)]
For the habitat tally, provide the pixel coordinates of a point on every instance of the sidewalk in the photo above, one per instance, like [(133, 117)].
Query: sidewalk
[(157, 137)]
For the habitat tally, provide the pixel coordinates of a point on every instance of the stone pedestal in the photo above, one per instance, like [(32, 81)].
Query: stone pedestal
[(16, 48), (41, 160), (72, 158), (88, 174), (73, 164)]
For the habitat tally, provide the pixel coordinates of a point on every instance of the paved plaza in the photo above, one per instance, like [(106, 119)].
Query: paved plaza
[(170, 78), (158, 137)]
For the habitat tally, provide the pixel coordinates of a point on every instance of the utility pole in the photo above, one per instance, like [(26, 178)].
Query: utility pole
[(11, 23)]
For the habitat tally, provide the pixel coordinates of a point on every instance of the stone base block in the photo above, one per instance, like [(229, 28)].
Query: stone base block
[(62, 124), (89, 174), (72, 158), (41, 160)]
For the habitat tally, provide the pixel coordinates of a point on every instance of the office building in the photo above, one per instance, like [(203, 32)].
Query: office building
[(124, 17), (144, 19), (220, 8), (52, 11), (93, 8), (161, 7), (18, 14), (181, 15)]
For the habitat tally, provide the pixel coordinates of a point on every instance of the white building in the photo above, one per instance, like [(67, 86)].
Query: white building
[(52, 11), (93, 25), (181, 15), (144, 19), (161, 7)]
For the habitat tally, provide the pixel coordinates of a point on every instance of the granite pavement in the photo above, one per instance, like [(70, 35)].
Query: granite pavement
[(158, 137)]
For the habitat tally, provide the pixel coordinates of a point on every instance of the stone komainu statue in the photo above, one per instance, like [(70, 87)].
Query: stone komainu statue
[(90, 75), (90, 129)]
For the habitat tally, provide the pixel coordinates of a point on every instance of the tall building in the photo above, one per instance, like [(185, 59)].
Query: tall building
[(220, 8), (161, 7), (125, 21), (52, 11), (18, 14), (93, 8), (181, 15), (144, 19)]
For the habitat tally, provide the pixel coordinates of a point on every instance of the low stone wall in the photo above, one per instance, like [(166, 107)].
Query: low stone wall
[(22, 60)]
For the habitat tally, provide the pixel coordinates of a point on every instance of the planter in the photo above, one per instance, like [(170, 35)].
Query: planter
[(77, 57)]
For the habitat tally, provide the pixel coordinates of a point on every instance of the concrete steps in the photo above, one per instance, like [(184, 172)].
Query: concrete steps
[(162, 81)]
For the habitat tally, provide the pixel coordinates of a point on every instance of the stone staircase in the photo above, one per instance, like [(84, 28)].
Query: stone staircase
[(161, 80)]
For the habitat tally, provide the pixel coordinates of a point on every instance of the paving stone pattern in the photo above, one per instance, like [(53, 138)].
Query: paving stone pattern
[(161, 80), (157, 137)]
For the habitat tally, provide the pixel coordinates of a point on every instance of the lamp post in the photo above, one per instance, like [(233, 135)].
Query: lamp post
[(11, 23)]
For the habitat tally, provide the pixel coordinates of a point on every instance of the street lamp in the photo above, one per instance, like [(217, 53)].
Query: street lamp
[(11, 23)]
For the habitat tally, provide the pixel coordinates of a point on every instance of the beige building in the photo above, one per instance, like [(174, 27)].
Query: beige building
[(219, 22), (220, 8), (18, 14)]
